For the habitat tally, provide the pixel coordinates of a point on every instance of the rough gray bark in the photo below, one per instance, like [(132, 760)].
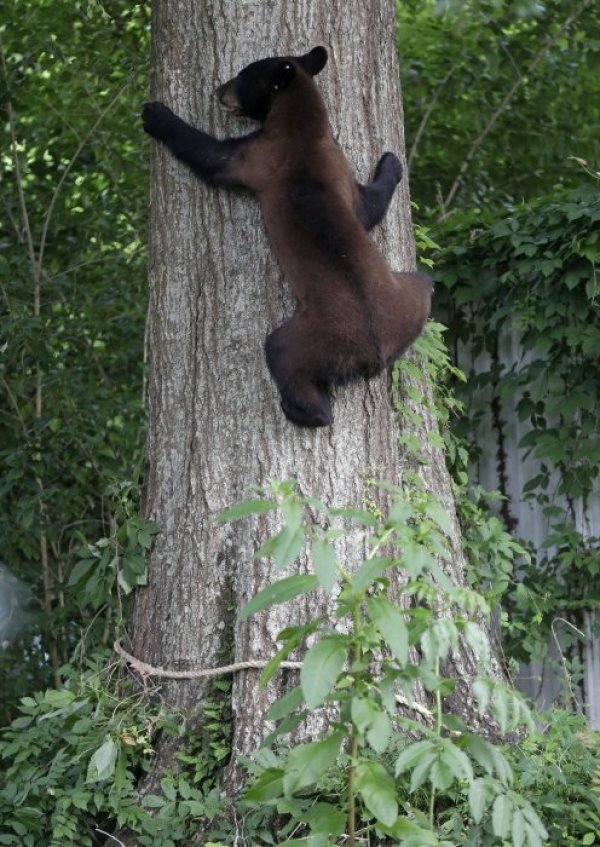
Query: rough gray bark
[(215, 426)]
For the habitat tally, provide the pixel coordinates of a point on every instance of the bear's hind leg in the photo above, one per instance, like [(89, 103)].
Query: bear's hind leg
[(303, 411), (304, 399)]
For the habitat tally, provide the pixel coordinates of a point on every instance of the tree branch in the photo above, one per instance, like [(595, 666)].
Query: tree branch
[(67, 170), (425, 119)]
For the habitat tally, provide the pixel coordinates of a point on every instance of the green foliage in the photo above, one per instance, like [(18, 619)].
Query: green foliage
[(500, 91), (73, 301), (534, 271), (116, 563), (75, 755), (73, 758), (555, 770), (359, 661), (492, 551)]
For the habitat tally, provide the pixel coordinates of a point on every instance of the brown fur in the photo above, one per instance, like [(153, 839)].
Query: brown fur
[(354, 316)]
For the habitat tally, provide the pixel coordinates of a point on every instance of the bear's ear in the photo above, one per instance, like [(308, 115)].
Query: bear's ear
[(314, 61), (284, 74)]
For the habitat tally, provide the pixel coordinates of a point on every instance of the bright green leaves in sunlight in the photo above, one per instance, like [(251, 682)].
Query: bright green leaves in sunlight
[(499, 98)]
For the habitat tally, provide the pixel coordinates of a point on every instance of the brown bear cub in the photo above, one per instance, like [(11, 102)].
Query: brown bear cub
[(354, 315)]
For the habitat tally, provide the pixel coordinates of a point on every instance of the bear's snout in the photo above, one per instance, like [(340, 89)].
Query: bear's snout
[(228, 97)]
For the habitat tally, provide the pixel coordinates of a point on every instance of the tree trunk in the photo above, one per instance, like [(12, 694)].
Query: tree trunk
[(215, 425)]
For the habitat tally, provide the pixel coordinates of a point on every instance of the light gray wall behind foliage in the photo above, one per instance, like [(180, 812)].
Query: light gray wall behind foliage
[(541, 681)]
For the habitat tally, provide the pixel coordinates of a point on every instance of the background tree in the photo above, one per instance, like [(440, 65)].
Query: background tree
[(215, 427), (72, 309), (500, 97)]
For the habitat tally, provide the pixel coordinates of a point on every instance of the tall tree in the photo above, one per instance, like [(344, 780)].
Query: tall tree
[(215, 426)]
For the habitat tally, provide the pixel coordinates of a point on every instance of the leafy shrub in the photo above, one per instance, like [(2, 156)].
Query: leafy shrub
[(358, 663), (73, 758)]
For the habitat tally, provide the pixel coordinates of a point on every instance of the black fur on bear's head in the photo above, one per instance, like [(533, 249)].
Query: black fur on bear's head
[(252, 91)]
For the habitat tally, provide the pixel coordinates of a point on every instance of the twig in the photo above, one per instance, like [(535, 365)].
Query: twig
[(17, 162), (108, 835), (563, 660), (427, 115), (67, 170)]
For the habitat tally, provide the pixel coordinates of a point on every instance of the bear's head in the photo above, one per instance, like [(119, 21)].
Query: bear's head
[(252, 91)]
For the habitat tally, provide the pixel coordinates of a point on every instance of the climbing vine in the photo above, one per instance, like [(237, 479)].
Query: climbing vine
[(520, 295)]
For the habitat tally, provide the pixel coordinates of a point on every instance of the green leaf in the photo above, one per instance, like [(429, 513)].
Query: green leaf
[(267, 787), (440, 774), (423, 770), (194, 808), (290, 701), (81, 570), (102, 763), (325, 563), (518, 829), (247, 507), (534, 823), (59, 698), (361, 516), (456, 760), (482, 689), (319, 839), (321, 667), (477, 641), (372, 722), (284, 727), (305, 764), (286, 589), (409, 833), (478, 798), (502, 768), (380, 732), (389, 620), (153, 801), (440, 518), (361, 711), (482, 751), (144, 538), (293, 512), (414, 753), (439, 637), (500, 708), (168, 789), (327, 818), (369, 571), (502, 815), (287, 546), (378, 791)]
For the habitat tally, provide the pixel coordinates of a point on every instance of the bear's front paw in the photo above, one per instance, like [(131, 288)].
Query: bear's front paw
[(390, 163), (157, 119)]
